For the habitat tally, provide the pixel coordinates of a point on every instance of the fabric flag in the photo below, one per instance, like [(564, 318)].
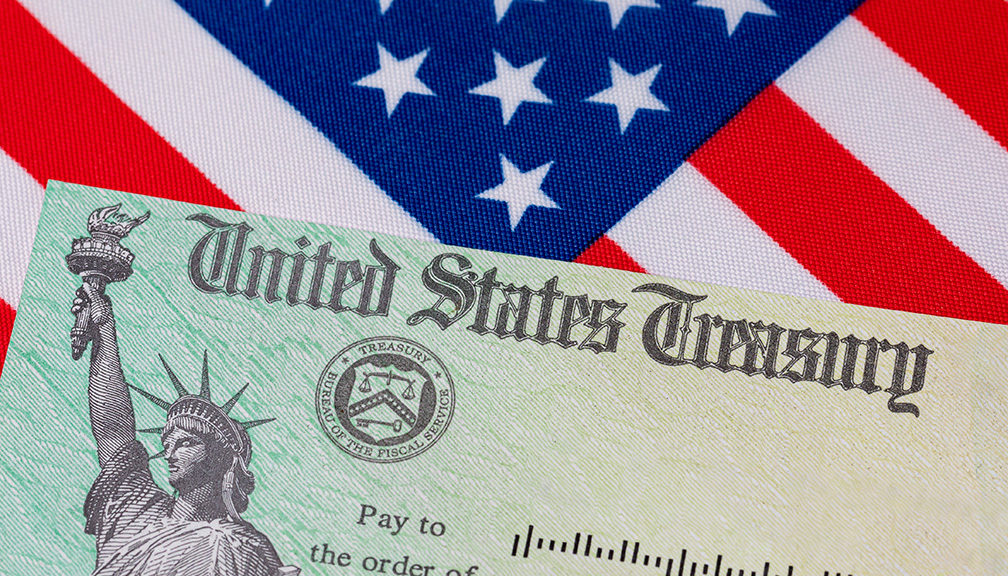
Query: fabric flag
[(837, 149)]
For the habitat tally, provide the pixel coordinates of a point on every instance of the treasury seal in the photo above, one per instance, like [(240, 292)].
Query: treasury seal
[(385, 399)]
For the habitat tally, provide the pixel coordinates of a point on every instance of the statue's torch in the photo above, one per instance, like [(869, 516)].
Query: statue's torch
[(100, 260)]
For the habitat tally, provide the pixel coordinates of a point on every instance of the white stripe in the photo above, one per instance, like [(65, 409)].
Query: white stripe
[(22, 202), (246, 139), (688, 229), (906, 131)]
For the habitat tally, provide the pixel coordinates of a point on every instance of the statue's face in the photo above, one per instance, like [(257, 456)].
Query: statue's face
[(189, 460)]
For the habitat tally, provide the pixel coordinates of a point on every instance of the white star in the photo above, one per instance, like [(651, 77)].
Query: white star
[(617, 8), (519, 190), (512, 86), (396, 77), (502, 6), (629, 93), (383, 5), (735, 10)]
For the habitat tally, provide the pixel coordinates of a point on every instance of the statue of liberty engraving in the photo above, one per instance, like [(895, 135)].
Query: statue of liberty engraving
[(139, 528)]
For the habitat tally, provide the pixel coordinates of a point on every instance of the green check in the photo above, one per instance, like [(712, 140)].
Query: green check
[(198, 392)]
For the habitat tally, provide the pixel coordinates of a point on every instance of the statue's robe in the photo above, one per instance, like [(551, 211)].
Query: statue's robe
[(130, 517)]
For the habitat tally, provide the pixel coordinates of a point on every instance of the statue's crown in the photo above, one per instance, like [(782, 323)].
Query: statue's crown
[(200, 407)]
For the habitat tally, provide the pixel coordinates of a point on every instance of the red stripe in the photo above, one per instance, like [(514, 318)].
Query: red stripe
[(605, 252), (6, 324), (961, 46), (59, 121), (838, 219)]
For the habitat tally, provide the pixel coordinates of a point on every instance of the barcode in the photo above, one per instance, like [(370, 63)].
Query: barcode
[(631, 552)]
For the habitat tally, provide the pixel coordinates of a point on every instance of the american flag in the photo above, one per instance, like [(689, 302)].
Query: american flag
[(837, 149)]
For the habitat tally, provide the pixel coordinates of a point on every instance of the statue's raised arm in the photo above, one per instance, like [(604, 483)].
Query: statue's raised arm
[(112, 420), (100, 259)]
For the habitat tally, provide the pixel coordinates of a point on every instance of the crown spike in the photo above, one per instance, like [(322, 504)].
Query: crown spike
[(234, 400), (163, 404), (254, 423), (174, 379), (158, 430), (158, 455), (204, 390)]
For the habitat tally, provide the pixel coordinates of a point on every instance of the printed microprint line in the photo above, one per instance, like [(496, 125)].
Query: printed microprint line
[(582, 546)]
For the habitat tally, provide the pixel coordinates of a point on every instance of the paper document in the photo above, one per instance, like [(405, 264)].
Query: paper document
[(196, 391)]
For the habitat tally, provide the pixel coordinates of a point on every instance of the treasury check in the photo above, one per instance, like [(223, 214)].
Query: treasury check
[(194, 391)]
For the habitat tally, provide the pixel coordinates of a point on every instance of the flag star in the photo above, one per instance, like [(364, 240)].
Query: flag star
[(383, 5), (617, 8), (520, 190), (512, 86), (630, 93), (396, 77), (502, 6), (735, 10)]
